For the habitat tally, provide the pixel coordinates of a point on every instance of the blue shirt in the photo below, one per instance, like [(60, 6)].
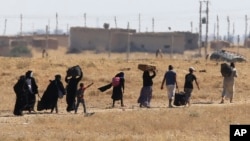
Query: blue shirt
[(170, 77)]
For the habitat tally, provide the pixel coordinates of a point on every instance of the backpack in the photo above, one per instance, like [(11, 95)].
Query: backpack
[(226, 70), (115, 81)]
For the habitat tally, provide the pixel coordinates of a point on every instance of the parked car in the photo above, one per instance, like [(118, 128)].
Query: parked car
[(223, 55)]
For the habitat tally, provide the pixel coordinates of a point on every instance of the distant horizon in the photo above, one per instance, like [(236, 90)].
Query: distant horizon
[(157, 15)]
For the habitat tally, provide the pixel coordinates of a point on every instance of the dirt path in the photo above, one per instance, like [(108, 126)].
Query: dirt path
[(4, 114)]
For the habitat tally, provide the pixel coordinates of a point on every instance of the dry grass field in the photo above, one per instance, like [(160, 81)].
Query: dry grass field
[(205, 120)]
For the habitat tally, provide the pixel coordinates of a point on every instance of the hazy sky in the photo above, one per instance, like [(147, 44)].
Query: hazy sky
[(177, 14)]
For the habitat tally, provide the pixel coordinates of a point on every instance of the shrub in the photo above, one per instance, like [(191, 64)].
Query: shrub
[(20, 51), (73, 50)]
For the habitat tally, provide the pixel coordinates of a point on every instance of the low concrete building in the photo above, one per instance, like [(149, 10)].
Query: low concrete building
[(4, 41), (118, 40), (43, 43)]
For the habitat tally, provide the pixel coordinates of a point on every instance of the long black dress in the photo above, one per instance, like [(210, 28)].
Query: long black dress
[(71, 91), (19, 91), (118, 90), (50, 96), (31, 89)]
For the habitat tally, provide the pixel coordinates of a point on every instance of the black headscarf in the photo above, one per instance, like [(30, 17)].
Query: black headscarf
[(28, 74)]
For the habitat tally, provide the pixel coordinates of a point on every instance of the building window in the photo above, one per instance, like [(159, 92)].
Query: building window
[(166, 46)]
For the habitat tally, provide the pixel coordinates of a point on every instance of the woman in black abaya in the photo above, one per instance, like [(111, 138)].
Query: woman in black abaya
[(31, 90), (19, 90), (51, 95), (118, 90), (71, 90)]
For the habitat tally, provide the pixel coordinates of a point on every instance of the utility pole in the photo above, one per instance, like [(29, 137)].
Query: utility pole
[(21, 25), (33, 27), (47, 38), (128, 44), (204, 21), (191, 24), (153, 24), (67, 29), (238, 43), (85, 18), (200, 24), (139, 30), (218, 27), (49, 26), (214, 31), (110, 42), (246, 30), (5, 25), (233, 33), (228, 29), (115, 22), (206, 42), (56, 23), (172, 45)]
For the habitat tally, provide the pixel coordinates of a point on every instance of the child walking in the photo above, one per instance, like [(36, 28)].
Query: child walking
[(80, 97)]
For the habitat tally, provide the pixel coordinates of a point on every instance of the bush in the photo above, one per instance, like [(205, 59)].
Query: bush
[(73, 50), (20, 51)]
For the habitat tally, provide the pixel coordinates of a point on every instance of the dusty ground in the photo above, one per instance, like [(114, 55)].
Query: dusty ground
[(205, 120)]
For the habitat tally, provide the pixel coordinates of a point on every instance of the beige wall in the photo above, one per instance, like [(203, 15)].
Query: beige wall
[(118, 39), (4, 41), (63, 40), (150, 42), (100, 39), (89, 39)]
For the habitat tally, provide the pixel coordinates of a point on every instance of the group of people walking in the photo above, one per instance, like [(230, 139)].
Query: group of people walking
[(26, 90), (170, 81)]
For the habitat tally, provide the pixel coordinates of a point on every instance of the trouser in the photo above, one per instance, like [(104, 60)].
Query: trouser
[(83, 104)]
